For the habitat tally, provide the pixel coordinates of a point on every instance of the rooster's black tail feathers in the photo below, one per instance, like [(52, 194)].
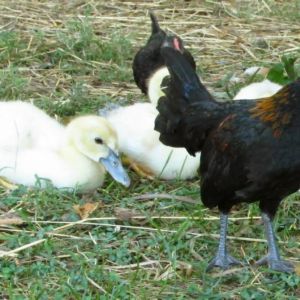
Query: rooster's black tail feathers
[(179, 67), (185, 95), (184, 79)]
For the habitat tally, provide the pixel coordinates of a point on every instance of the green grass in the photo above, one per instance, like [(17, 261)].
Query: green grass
[(63, 265), (75, 67), (12, 84)]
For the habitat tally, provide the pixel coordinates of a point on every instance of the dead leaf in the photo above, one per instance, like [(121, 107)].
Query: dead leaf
[(10, 219), (239, 40), (264, 71), (125, 214), (185, 268), (85, 210), (297, 269)]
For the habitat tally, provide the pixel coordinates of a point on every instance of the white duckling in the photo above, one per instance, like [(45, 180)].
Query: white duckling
[(256, 90), (33, 145), (139, 141)]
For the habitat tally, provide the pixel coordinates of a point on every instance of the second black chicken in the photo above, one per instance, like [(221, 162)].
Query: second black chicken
[(148, 64)]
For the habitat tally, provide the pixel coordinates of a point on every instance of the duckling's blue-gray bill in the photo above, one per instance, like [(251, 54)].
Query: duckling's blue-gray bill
[(113, 166)]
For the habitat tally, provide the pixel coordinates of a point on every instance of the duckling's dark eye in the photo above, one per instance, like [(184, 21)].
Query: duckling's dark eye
[(98, 140)]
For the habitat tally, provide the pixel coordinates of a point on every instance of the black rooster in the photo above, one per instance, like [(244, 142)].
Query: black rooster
[(250, 150), (148, 59)]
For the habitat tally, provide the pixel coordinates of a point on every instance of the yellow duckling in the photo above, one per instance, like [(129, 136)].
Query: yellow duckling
[(33, 145)]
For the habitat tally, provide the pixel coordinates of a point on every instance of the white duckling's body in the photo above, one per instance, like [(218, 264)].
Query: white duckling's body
[(257, 90), (139, 141), (33, 145)]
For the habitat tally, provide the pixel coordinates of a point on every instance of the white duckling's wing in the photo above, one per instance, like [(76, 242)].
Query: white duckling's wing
[(29, 140), (137, 139), (257, 90), (23, 125)]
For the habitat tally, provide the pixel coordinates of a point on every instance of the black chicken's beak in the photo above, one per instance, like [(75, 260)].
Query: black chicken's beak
[(113, 166)]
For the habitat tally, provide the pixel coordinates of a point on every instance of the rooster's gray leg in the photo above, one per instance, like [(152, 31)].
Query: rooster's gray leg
[(272, 259), (222, 258)]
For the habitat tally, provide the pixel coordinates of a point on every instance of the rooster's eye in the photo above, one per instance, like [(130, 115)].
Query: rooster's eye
[(98, 140)]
